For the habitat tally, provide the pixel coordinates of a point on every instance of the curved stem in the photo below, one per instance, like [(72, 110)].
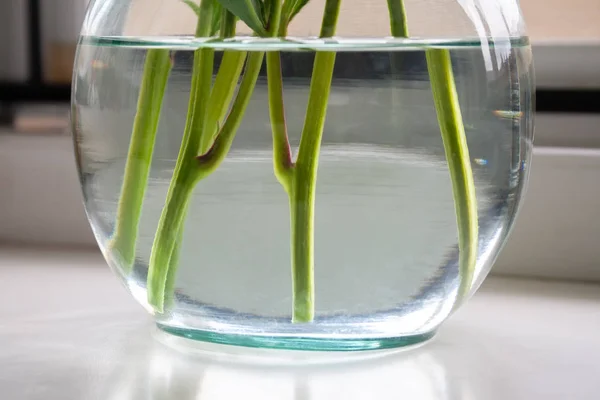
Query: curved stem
[(207, 110), (397, 13), (275, 18), (220, 98), (443, 87), (330, 18), (221, 95), (154, 80), (182, 182), (282, 155), (204, 26), (302, 199), (193, 169), (300, 180), (209, 162), (224, 86), (228, 21), (169, 230), (450, 120), (172, 270)]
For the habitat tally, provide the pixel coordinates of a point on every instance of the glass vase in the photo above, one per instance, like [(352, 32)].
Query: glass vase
[(318, 175)]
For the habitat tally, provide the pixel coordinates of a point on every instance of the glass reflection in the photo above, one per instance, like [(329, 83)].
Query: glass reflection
[(171, 368)]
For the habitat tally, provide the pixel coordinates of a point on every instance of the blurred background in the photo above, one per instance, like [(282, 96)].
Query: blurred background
[(556, 232)]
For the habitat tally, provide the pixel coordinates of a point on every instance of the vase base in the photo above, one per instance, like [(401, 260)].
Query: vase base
[(298, 343)]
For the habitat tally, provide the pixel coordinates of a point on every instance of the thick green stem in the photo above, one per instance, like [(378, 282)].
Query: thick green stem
[(443, 87), (228, 21), (170, 225), (224, 86), (457, 153), (220, 98), (210, 161), (302, 199), (183, 181), (168, 233), (204, 27), (184, 174), (282, 155), (221, 95), (194, 168), (206, 112), (172, 270), (299, 179), (330, 18), (141, 147), (397, 14), (276, 25)]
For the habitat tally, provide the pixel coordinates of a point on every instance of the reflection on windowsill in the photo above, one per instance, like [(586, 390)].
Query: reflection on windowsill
[(171, 369)]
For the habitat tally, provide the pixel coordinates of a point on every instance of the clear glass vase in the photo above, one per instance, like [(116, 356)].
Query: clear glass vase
[(303, 175)]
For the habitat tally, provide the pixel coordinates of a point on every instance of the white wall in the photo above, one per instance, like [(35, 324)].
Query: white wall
[(546, 19)]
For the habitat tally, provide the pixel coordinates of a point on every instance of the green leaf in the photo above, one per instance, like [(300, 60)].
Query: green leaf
[(249, 11), (194, 6), (292, 7)]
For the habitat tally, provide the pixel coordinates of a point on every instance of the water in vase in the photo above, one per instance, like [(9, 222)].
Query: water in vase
[(386, 252)]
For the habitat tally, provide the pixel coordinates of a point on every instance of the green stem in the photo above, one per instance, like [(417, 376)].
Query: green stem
[(330, 18), (282, 155), (221, 95), (299, 179), (184, 179), (172, 270), (220, 98), (228, 21), (141, 147), (193, 170), (443, 87), (397, 13), (170, 225), (210, 161), (224, 87), (302, 199), (457, 153), (204, 26), (169, 230), (276, 25)]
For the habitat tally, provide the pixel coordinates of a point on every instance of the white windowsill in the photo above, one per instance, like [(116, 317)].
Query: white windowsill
[(72, 332)]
